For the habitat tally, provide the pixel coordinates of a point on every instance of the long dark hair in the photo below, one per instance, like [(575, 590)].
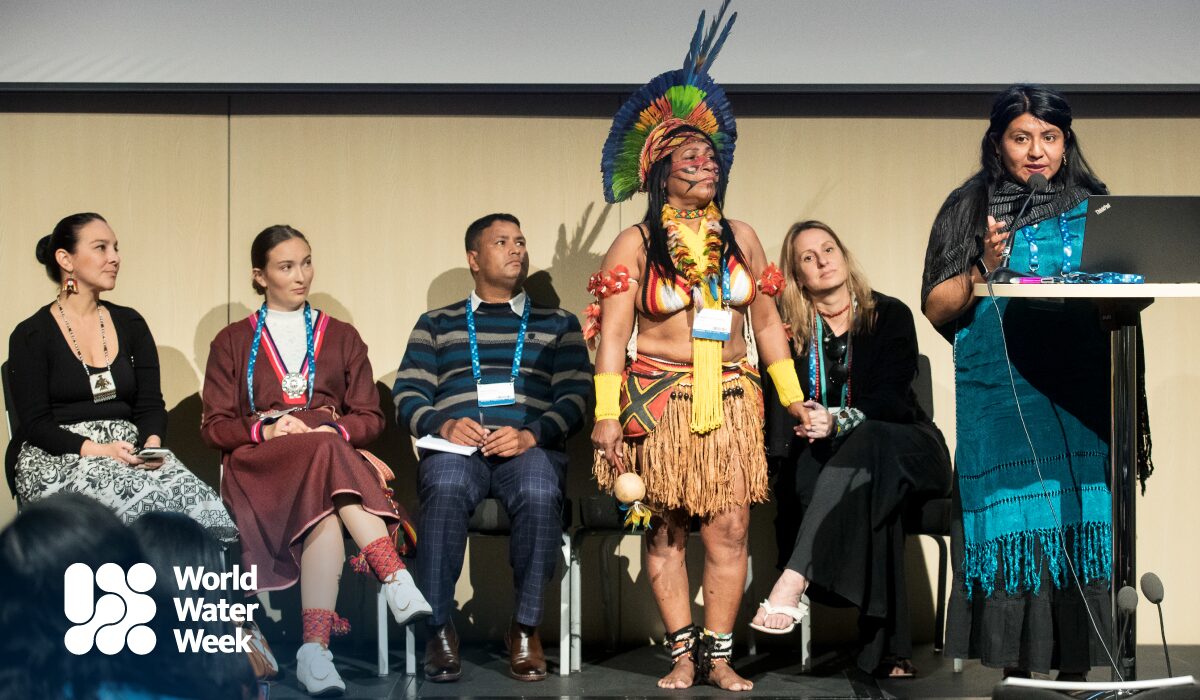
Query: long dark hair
[(965, 211), (658, 255), (65, 236), (267, 239)]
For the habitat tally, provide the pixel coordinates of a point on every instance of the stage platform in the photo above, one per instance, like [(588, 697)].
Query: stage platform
[(632, 673)]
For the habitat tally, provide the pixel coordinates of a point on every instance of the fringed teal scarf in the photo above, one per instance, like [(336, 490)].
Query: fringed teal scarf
[(1058, 353)]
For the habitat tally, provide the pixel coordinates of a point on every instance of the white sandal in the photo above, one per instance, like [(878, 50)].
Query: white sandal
[(797, 613)]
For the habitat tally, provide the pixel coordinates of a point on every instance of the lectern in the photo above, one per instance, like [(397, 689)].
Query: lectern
[(1119, 306)]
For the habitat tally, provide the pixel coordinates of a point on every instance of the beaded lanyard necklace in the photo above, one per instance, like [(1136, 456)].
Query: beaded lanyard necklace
[(817, 373), (1068, 242), (102, 384), (293, 382)]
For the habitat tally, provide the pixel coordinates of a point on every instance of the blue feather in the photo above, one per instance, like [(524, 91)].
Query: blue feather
[(706, 45)]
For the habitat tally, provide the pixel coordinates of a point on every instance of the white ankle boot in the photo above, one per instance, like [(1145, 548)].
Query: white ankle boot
[(405, 601), (315, 671)]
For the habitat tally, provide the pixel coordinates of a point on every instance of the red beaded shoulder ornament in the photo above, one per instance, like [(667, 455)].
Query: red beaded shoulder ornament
[(603, 285)]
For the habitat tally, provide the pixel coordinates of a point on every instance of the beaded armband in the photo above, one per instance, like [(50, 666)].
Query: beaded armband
[(713, 647), (772, 281), (683, 643), (602, 285)]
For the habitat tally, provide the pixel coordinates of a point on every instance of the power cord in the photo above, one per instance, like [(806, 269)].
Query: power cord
[(1058, 528)]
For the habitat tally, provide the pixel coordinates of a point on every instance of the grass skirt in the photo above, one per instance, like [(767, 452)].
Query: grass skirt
[(702, 474)]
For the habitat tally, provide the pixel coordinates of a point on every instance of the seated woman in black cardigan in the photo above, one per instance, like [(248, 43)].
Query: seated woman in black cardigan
[(869, 453), (85, 384)]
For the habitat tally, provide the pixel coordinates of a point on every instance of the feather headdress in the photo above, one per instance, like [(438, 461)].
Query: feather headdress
[(687, 96)]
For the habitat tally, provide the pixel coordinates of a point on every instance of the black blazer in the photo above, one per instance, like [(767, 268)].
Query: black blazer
[(881, 376)]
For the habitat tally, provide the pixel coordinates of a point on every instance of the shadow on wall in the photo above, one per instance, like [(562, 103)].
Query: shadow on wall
[(183, 419)]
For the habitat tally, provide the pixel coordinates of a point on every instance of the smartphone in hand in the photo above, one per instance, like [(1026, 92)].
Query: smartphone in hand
[(152, 454)]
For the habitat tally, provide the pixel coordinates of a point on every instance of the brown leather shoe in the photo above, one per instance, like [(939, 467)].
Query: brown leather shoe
[(442, 662), (526, 660)]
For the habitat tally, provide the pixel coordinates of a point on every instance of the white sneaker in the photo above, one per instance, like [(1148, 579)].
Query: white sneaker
[(315, 671), (405, 601)]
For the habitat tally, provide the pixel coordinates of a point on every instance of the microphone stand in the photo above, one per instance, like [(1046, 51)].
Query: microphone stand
[(1004, 273), (1162, 628)]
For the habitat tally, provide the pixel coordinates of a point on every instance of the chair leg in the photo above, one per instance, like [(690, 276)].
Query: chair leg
[(806, 639), (576, 611), (410, 650), (381, 639), (939, 623), (751, 639), (564, 610)]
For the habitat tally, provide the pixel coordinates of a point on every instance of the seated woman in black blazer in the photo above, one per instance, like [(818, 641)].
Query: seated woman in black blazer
[(85, 386), (870, 451)]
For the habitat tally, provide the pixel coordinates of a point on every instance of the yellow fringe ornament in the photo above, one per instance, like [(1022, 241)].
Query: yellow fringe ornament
[(706, 353)]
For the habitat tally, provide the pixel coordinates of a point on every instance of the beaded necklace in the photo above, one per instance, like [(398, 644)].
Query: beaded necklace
[(1068, 242), (675, 213), (818, 371), (714, 267)]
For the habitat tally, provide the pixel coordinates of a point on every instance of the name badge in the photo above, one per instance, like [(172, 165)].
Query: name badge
[(496, 394), (713, 324)]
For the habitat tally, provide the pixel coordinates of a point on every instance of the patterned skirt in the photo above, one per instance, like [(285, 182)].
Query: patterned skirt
[(128, 490)]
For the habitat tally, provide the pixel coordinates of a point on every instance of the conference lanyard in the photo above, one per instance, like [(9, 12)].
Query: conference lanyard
[(293, 384), (496, 393)]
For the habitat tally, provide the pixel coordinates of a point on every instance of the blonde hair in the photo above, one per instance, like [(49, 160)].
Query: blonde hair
[(795, 305)]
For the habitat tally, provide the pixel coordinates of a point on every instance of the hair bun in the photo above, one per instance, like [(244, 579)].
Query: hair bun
[(42, 252)]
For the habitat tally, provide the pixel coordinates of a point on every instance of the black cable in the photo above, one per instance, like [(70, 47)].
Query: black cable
[(1058, 528)]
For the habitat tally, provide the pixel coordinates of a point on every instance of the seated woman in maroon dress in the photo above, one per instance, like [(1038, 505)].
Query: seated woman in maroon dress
[(289, 396)]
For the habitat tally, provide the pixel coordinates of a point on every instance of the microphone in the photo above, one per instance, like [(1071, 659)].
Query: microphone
[(1037, 183), (1127, 602), (1152, 588)]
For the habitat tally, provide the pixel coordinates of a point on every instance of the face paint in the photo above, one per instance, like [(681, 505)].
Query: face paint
[(695, 167)]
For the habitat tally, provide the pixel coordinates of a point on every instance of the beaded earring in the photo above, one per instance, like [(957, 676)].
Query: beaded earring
[(70, 287)]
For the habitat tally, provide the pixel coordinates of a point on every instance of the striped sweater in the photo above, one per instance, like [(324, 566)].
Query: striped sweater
[(435, 382)]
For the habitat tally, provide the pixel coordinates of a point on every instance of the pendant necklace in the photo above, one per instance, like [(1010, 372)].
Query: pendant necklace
[(102, 384)]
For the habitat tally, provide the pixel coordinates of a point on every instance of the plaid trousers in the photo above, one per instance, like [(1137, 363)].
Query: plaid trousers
[(529, 486)]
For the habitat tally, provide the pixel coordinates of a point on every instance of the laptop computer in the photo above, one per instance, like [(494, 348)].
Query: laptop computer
[(1154, 236)]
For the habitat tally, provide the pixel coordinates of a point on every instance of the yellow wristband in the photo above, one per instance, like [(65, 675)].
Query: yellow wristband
[(608, 392), (787, 384)]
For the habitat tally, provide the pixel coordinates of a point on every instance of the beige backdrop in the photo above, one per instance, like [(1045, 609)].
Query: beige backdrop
[(384, 187)]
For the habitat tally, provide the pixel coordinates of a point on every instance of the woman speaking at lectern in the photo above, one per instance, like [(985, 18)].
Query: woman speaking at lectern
[(1025, 599)]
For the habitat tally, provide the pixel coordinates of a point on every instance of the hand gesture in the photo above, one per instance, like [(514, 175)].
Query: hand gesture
[(463, 431), (820, 422), (286, 425), (994, 243), (607, 440), (119, 450), (507, 442)]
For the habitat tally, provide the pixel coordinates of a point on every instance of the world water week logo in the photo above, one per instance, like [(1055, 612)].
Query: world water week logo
[(120, 617)]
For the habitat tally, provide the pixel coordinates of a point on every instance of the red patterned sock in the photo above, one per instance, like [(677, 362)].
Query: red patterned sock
[(379, 556), (319, 624)]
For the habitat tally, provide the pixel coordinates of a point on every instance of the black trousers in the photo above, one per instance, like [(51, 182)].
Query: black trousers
[(839, 523)]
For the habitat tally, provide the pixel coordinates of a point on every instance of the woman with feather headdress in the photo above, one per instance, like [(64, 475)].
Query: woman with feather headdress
[(685, 410)]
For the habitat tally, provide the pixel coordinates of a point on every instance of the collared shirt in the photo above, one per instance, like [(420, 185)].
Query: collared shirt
[(517, 303)]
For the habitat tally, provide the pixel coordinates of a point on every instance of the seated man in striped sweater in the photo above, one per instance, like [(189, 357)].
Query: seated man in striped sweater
[(499, 373)]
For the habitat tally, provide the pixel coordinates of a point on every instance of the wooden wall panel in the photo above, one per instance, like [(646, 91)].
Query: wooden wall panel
[(160, 180), (385, 198)]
